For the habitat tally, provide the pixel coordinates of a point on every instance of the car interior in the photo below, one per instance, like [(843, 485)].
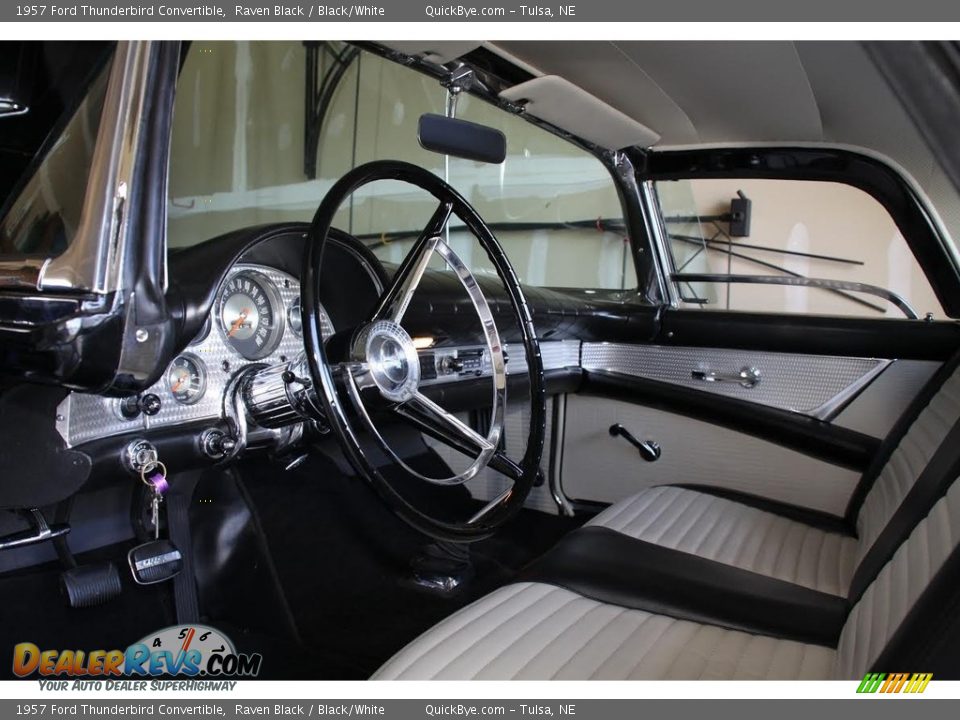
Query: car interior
[(483, 360)]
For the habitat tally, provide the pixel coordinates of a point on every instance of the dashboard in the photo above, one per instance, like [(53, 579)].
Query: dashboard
[(255, 319)]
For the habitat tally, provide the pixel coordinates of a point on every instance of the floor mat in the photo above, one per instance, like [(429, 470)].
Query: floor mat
[(343, 560)]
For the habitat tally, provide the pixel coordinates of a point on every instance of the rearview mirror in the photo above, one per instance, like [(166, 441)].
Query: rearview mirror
[(461, 138), (16, 76)]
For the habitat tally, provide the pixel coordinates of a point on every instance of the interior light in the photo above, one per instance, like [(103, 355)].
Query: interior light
[(422, 343)]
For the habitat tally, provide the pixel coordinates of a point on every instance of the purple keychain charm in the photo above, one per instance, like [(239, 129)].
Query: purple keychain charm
[(158, 481)]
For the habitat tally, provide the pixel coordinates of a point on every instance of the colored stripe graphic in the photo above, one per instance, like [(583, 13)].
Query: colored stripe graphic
[(913, 683)]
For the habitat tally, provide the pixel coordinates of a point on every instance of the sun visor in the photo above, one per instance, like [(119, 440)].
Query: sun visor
[(561, 103)]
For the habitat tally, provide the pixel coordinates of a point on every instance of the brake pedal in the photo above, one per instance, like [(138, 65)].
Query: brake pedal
[(90, 585)]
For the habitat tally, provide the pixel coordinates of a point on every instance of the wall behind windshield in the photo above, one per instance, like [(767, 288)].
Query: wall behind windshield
[(241, 157)]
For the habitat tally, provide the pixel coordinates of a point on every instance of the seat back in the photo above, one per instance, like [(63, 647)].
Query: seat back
[(908, 617), (908, 451)]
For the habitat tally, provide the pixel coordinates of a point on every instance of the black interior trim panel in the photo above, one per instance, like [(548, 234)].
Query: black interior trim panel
[(811, 334)]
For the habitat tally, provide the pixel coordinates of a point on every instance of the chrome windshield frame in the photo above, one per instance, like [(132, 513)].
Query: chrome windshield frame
[(93, 261)]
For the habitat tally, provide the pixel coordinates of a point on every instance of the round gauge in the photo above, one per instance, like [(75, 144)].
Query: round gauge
[(187, 379), (249, 315), (294, 318)]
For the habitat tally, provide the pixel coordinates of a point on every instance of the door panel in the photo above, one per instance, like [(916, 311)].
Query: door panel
[(814, 385), (802, 435), (599, 467)]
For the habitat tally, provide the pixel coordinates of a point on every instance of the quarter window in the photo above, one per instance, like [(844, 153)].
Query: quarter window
[(799, 231)]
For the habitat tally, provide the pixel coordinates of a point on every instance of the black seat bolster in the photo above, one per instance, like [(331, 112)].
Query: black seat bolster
[(614, 568)]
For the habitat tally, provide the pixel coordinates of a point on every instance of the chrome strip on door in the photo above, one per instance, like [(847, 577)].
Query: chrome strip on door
[(815, 385)]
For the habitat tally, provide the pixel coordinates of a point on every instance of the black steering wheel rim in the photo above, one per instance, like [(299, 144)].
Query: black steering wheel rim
[(319, 364)]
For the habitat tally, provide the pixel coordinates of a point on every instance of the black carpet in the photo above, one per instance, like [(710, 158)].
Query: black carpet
[(343, 561)]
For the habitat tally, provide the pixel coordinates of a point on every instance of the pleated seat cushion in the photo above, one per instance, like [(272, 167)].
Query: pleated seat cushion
[(534, 631), (736, 534)]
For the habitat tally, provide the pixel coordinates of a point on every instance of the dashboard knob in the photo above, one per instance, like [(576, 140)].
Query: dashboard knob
[(216, 444), (451, 364), (130, 407), (150, 404)]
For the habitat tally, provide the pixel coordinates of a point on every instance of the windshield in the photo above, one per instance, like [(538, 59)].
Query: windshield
[(263, 130)]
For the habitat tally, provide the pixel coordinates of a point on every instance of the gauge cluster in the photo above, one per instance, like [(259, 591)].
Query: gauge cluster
[(255, 319)]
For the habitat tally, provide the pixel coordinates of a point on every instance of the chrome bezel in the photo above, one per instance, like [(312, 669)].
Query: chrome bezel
[(201, 367), (277, 311)]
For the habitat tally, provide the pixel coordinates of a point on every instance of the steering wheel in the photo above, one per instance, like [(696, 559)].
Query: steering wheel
[(377, 363)]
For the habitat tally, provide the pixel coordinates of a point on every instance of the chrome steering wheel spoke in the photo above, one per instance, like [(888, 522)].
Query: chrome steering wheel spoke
[(446, 427), (396, 298)]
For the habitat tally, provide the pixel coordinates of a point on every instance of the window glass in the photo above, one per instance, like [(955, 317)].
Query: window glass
[(44, 217), (247, 150), (798, 229)]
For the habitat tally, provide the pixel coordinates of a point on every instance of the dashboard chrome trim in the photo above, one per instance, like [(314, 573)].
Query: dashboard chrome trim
[(83, 417)]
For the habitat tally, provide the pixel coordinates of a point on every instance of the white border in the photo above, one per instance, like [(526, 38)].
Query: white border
[(473, 30)]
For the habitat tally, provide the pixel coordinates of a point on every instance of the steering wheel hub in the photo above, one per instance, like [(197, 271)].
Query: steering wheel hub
[(391, 358)]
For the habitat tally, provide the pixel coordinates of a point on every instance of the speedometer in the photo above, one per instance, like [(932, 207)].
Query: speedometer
[(250, 314)]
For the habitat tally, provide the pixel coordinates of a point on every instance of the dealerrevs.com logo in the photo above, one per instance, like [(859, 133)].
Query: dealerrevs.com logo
[(180, 650)]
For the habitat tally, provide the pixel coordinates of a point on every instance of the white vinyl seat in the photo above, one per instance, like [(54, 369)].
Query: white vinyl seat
[(736, 534), (535, 631), (538, 631), (888, 580)]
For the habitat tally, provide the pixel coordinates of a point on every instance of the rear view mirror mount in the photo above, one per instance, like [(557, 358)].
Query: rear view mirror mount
[(461, 138)]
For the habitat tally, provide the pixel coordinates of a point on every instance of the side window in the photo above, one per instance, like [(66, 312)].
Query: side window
[(797, 230)]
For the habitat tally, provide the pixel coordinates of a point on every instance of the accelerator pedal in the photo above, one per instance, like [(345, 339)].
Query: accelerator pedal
[(155, 561)]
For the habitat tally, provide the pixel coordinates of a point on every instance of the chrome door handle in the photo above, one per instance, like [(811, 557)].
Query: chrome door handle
[(747, 376)]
